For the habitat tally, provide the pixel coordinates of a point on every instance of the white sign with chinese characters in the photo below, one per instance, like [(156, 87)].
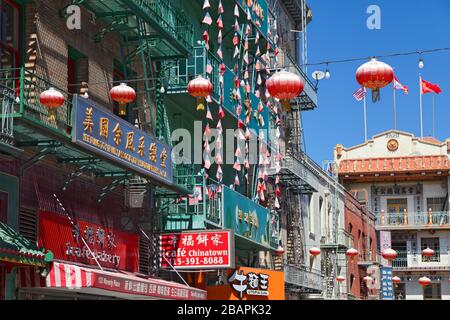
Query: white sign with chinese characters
[(255, 284)]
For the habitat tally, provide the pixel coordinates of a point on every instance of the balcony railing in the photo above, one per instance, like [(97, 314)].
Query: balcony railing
[(206, 209), (409, 259), (303, 277), (414, 219), (168, 17), (179, 72), (308, 99), (344, 238), (20, 89)]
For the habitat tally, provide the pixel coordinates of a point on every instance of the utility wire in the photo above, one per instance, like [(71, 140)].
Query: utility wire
[(398, 54), (326, 62)]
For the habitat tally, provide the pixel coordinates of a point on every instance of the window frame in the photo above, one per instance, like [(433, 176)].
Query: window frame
[(16, 52)]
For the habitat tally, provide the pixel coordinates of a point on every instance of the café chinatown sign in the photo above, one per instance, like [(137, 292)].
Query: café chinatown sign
[(197, 249)]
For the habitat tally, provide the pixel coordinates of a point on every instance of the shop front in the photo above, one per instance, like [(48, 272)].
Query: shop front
[(68, 281), (94, 261), (245, 283), (16, 252), (76, 201)]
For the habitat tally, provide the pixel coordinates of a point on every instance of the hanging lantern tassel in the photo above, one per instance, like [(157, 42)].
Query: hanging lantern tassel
[(286, 105), (200, 104)]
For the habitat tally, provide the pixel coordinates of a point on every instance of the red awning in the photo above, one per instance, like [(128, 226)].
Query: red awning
[(93, 281)]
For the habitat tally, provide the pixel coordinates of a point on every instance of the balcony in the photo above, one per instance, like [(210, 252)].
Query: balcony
[(168, 31), (309, 280), (413, 220), (414, 261), (19, 96), (179, 72), (254, 226), (344, 239), (308, 98), (25, 125)]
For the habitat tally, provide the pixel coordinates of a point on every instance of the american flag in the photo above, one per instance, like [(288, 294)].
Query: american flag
[(360, 94), (398, 86)]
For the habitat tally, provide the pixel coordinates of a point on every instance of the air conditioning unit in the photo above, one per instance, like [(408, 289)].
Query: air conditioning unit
[(134, 193)]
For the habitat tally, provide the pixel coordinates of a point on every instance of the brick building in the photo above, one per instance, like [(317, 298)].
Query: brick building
[(360, 223)]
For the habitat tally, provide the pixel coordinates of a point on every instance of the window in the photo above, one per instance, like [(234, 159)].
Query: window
[(436, 204), (396, 209), (432, 243), (432, 292), (9, 35), (350, 228)]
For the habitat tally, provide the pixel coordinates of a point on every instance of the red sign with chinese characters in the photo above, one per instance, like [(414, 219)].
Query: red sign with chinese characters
[(197, 249), (149, 287), (113, 249)]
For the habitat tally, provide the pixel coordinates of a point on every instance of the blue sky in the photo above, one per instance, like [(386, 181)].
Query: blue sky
[(339, 31)]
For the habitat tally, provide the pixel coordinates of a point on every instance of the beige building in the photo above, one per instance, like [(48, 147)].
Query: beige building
[(404, 180)]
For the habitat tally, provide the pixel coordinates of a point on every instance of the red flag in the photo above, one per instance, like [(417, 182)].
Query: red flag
[(428, 87)]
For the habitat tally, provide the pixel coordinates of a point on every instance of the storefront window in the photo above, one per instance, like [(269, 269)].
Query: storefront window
[(9, 35), (432, 292)]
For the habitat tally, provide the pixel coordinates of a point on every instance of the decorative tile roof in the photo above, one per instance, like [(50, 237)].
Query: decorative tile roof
[(394, 165), (15, 249)]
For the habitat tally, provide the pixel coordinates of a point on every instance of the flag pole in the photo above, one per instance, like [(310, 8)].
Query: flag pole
[(395, 110), (433, 115), (365, 118), (421, 123)]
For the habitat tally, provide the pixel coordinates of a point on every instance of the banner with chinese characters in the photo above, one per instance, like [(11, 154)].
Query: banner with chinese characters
[(245, 217), (112, 248), (197, 249), (387, 292), (107, 135), (246, 283), (385, 243)]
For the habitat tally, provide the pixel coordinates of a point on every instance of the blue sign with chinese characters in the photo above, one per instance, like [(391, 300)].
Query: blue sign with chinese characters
[(107, 135), (245, 217), (387, 291)]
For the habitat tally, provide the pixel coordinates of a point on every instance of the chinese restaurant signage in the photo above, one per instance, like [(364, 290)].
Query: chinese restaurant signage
[(246, 283), (107, 135), (148, 287), (197, 249), (245, 217), (256, 284), (387, 292), (112, 248)]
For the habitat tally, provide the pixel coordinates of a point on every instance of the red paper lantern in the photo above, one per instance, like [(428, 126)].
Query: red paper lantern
[(314, 251), (200, 88), (396, 279), (279, 251), (428, 252), (285, 86), (52, 99), (389, 254), (374, 75), (424, 281), (340, 279), (351, 253), (122, 94)]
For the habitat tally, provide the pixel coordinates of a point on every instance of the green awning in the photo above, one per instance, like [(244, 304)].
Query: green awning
[(16, 250)]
